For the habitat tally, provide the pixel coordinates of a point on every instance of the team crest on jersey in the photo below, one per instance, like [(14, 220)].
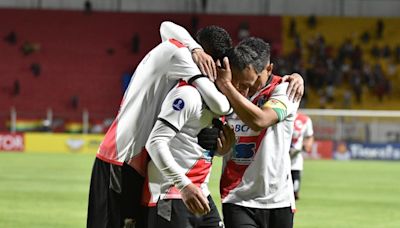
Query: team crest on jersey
[(178, 104)]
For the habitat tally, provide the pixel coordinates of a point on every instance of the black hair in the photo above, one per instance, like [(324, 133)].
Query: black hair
[(262, 49), (215, 41), (243, 56)]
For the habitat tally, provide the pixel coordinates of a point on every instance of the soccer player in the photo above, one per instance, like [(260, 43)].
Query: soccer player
[(119, 167), (302, 141), (180, 168), (256, 185)]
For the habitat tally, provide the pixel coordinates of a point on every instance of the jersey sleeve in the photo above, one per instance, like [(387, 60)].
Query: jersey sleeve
[(181, 104), (182, 65), (170, 30), (280, 103), (309, 128)]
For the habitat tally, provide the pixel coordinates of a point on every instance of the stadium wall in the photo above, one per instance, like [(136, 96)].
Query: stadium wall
[(84, 143), (382, 8)]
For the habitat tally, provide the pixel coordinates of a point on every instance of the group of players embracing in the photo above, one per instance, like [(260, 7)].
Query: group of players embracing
[(188, 101)]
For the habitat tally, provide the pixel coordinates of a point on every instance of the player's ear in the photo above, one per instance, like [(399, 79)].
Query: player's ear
[(269, 68)]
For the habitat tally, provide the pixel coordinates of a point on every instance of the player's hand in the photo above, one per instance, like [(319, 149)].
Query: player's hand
[(225, 140), (295, 89), (194, 200), (205, 63), (224, 73)]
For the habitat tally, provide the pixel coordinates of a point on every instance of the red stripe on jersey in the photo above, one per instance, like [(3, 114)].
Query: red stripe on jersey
[(176, 43), (231, 177), (266, 91), (233, 173), (197, 174), (140, 161), (108, 148), (184, 83)]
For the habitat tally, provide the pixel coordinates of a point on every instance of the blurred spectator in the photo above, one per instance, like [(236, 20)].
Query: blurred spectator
[(126, 78), (312, 21), (74, 102), (16, 88), (135, 43), (365, 37), (375, 51), (347, 96), (88, 7), (243, 31), (36, 69), (386, 51), (110, 51), (195, 24), (11, 38), (397, 54), (29, 48), (204, 4), (292, 28), (356, 84), (379, 28)]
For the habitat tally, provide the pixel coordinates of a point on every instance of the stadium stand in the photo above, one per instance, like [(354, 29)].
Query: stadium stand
[(83, 56), (343, 58)]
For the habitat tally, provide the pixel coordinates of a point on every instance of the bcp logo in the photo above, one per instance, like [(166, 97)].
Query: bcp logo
[(11, 142), (241, 128)]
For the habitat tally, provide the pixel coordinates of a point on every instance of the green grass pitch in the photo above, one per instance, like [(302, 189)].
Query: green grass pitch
[(50, 190)]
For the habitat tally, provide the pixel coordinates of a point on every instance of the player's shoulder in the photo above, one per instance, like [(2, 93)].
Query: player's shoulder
[(186, 92)]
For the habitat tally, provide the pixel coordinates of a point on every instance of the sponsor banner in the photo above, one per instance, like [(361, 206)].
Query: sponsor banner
[(62, 143), (374, 151), (12, 142), (321, 149)]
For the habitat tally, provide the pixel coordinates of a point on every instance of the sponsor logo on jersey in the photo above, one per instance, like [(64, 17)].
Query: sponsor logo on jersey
[(244, 153), (178, 104)]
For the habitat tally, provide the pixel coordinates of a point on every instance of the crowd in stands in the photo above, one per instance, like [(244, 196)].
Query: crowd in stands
[(348, 66)]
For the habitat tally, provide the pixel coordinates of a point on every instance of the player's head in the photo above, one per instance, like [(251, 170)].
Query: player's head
[(244, 63), (215, 41), (263, 51)]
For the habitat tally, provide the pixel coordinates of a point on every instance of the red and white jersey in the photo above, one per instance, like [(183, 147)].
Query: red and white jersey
[(302, 128), (155, 76), (257, 172), (183, 110)]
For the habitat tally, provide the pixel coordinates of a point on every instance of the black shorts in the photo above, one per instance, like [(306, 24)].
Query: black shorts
[(181, 217), (296, 176), (244, 217), (115, 197)]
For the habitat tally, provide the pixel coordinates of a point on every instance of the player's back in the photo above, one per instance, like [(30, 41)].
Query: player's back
[(156, 74)]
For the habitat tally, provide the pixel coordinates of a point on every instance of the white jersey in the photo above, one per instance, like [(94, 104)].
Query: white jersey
[(302, 128), (182, 110), (154, 77), (257, 173)]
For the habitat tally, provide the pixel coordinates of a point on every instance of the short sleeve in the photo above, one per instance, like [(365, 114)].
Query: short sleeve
[(182, 65), (181, 104)]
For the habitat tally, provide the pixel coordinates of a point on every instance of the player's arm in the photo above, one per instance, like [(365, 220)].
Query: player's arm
[(176, 109), (170, 30), (253, 116), (206, 64), (183, 67)]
